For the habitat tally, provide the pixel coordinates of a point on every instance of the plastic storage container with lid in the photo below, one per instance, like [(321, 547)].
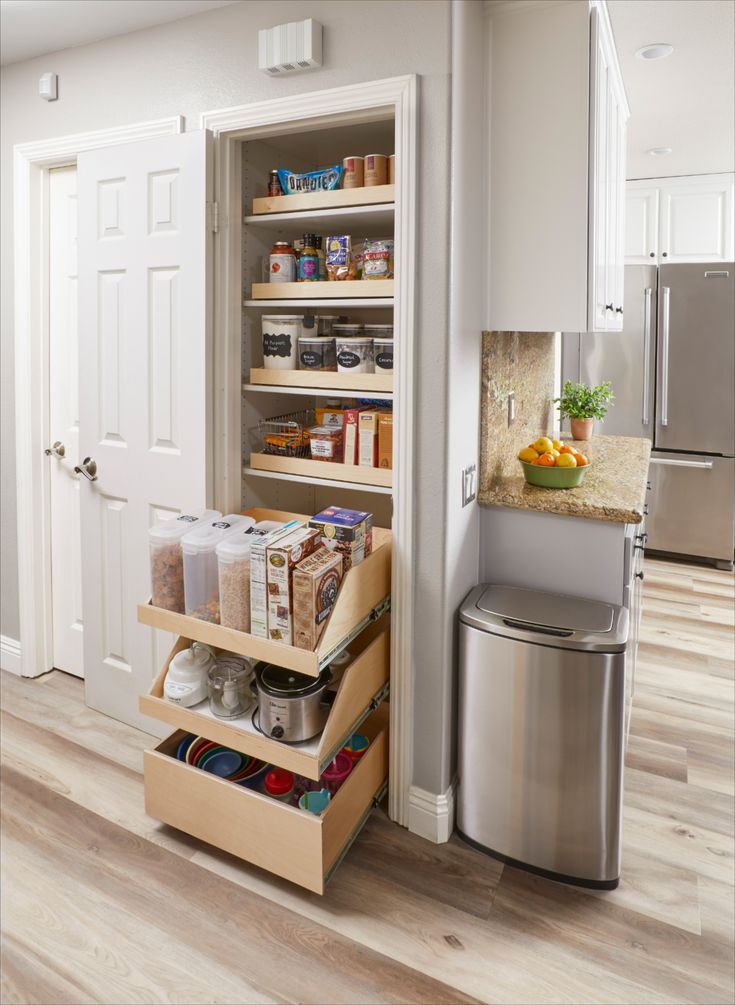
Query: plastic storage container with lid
[(279, 784), (230, 694), (233, 560), (167, 562), (379, 331), (353, 329), (280, 340), (201, 578), (317, 352)]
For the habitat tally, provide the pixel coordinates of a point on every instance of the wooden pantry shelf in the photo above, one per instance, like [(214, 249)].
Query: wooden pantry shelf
[(339, 198), (312, 379), (360, 689), (364, 289), (304, 467), (367, 221), (363, 596), (351, 302)]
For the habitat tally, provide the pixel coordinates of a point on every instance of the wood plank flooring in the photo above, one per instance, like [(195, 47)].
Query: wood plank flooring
[(103, 904)]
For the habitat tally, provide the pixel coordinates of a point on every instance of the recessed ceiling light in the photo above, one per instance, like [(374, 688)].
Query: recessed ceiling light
[(657, 50), (660, 151)]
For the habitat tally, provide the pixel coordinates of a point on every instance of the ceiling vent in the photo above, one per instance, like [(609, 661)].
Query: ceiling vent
[(288, 48)]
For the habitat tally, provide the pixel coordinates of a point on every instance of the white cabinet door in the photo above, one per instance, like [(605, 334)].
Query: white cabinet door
[(145, 398), (599, 180), (641, 223), (615, 212), (697, 219)]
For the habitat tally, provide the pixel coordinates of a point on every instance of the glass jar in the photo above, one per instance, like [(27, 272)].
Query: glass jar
[(282, 267), (228, 681)]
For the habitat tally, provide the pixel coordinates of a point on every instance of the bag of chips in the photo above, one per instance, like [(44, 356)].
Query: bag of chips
[(377, 260), (340, 261), (313, 181)]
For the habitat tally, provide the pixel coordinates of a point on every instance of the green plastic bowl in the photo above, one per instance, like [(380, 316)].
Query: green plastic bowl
[(553, 478)]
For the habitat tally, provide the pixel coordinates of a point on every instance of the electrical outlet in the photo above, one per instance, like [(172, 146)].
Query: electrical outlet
[(469, 484)]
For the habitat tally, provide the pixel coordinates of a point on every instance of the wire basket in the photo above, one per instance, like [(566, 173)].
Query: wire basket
[(285, 435)]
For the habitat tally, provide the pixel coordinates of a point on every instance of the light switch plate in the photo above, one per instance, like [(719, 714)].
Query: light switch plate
[(469, 484)]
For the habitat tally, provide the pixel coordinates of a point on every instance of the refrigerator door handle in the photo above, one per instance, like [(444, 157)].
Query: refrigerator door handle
[(670, 462), (646, 350), (666, 294)]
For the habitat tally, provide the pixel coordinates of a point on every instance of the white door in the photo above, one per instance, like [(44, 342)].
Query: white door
[(66, 553), (641, 224), (697, 219), (599, 315), (145, 401)]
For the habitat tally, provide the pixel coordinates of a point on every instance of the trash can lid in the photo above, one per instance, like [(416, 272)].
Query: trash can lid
[(546, 618)]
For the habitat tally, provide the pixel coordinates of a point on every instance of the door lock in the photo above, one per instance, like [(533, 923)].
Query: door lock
[(57, 449), (88, 468)]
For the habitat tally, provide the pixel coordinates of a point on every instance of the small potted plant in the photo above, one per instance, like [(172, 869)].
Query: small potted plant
[(583, 404)]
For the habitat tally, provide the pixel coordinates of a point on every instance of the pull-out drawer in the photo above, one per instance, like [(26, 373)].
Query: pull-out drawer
[(285, 840)]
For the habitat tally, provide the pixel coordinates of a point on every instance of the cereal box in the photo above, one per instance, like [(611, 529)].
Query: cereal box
[(316, 581)]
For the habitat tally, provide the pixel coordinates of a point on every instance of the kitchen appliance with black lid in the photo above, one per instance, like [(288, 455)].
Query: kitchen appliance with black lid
[(291, 706)]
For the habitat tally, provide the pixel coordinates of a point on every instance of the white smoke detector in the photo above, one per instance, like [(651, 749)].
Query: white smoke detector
[(288, 48)]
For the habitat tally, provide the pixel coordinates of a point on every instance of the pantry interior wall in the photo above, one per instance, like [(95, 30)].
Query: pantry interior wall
[(207, 62)]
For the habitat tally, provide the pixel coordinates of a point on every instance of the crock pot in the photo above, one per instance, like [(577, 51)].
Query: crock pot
[(291, 706)]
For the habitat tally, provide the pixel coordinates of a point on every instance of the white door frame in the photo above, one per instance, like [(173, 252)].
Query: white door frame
[(31, 164), (398, 97)]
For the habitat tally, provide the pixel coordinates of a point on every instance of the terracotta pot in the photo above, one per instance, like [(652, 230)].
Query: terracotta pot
[(582, 428)]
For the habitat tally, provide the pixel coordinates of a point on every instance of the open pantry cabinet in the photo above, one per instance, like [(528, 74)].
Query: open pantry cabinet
[(303, 133)]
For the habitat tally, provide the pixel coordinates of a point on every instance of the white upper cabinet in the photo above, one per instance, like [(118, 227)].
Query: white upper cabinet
[(558, 116), (687, 219)]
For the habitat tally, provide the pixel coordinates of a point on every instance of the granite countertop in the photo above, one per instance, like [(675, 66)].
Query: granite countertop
[(614, 489)]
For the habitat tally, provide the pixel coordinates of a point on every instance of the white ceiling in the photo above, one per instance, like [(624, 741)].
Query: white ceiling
[(31, 28), (687, 100)]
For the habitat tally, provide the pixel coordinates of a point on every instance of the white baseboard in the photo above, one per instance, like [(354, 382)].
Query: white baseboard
[(10, 655), (431, 815)]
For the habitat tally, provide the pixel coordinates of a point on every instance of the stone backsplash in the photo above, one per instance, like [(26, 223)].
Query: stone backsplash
[(521, 363)]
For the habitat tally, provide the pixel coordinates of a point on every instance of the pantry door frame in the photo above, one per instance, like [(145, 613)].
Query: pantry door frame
[(31, 165), (397, 97)]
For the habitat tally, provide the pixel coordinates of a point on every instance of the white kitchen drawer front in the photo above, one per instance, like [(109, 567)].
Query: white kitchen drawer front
[(285, 840)]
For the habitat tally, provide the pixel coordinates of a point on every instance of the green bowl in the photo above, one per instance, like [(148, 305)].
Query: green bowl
[(553, 478)]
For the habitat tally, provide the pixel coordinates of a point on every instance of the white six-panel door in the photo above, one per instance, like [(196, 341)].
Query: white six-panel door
[(145, 400), (63, 426)]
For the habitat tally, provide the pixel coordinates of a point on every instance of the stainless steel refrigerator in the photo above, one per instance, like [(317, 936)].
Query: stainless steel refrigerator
[(672, 370)]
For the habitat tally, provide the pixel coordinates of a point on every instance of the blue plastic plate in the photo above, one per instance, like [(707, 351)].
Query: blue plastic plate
[(223, 763), (184, 746)]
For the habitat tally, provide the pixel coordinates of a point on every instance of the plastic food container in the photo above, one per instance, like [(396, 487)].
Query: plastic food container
[(167, 560), (280, 340), (336, 773), (317, 352), (356, 746), (228, 683), (355, 355), (316, 801), (383, 351), (325, 443), (379, 331), (233, 560), (376, 170), (354, 176), (348, 330), (279, 784), (201, 575)]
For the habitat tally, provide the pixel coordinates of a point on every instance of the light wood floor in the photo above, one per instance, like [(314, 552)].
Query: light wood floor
[(102, 904)]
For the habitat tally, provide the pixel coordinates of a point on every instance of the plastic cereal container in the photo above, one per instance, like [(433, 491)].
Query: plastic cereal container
[(167, 559), (233, 562), (201, 574)]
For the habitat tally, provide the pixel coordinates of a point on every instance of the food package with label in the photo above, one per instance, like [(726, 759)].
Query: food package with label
[(350, 433), (259, 579), (324, 180), (281, 559), (332, 414), (385, 440), (316, 583), (367, 445), (348, 531), (326, 443), (377, 259), (340, 260)]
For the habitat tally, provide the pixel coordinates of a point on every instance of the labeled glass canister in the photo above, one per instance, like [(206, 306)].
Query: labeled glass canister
[(282, 266)]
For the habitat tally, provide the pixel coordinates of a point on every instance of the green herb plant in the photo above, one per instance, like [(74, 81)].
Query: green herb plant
[(578, 401)]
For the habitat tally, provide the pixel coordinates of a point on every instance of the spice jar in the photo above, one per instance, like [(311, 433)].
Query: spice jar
[(282, 266), (228, 683), (274, 183)]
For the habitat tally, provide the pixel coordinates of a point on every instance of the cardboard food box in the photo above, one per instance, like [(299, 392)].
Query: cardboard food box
[(367, 452), (316, 582), (385, 440), (258, 577), (331, 415), (350, 434), (281, 559), (348, 531)]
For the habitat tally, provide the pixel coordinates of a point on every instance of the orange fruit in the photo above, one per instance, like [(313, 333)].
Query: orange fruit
[(528, 454), (580, 459), (546, 460), (566, 449), (566, 461)]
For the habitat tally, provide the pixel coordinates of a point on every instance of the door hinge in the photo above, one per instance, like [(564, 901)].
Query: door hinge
[(213, 217)]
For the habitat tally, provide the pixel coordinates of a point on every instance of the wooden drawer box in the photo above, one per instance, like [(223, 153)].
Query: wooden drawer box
[(283, 839)]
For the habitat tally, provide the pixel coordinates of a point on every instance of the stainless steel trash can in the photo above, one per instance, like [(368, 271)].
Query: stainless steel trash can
[(541, 729)]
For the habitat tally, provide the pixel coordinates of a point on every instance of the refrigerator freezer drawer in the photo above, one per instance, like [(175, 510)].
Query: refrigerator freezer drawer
[(692, 505), (540, 755)]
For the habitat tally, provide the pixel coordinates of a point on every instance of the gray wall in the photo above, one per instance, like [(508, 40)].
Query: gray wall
[(209, 61)]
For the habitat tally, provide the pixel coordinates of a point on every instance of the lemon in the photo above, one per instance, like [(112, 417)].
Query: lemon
[(566, 461), (557, 444), (542, 445), (527, 454)]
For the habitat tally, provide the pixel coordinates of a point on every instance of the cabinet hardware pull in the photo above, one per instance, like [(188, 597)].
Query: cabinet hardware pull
[(666, 294), (609, 307), (670, 462), (647, 293)]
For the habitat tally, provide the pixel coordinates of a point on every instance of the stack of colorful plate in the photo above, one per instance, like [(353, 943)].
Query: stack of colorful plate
[(218, 760)]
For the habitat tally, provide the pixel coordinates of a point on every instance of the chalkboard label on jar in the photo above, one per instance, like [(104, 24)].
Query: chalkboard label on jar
[(384, 360), (347, 358), (311, 360), (277, 344)]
